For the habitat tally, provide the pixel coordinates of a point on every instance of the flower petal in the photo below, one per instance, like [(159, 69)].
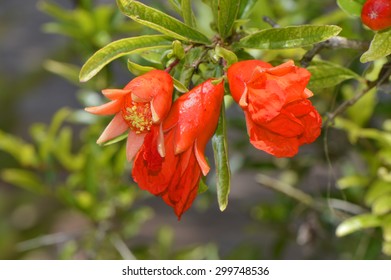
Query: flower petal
[(286, 125), (270, 142), (199, 153), (113, 94), (266, 103), (133, 144), (109, 108), (116, 127)]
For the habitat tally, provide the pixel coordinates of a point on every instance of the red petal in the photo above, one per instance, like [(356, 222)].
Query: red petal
[(312, 123), (109, 108), (286, 125), (266, 103), (113, 94), (240, 73), (133, 144), (116, 127), (270, 142)]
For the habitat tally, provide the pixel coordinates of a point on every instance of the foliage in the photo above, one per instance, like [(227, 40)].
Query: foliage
[(350, 68)]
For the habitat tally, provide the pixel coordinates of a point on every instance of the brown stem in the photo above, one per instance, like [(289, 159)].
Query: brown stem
[(384, 75), (336, 42)]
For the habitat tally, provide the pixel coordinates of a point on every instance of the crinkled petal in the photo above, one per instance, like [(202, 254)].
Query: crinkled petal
[(266, 103), (270, 142), (312, 123), (116, 127), (286, 125), (109, 108)]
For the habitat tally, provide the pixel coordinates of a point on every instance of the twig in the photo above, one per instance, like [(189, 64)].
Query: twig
[(270, 21), (287, 190), (176, 61), (336, 42), (121, 247), (385, 74)]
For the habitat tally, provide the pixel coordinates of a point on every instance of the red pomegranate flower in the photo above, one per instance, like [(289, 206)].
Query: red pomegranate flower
[(140, 107), (376, 14), (278, 114), (187, 129)]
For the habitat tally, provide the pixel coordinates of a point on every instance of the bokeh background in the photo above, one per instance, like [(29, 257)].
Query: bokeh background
[(64, 197)]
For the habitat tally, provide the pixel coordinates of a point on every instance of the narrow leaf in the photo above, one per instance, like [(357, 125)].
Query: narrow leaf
[(120, 48), (378, 189), (227, 11), (326, 74), (351, 7), (187, 13), (23, 179), (137, 69), (382, 205), (227, 55), (289, 37), (380, 47), (220, 149), (160, 21), (357, 223)]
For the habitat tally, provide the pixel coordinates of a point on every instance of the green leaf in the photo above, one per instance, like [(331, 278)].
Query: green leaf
[(326, 74), (227, 55), (289, 37), (65, 70), (362, 111), (351, 7), (23, 179), (120, 48), (387, 228), (23, 152), (354, 181), (227, 11), (246, 7), (378, 189), (357, 223), (187, 13), (382, 205), (220, 149), (380, 47), (160, 21), (137, 69), (116, 139)]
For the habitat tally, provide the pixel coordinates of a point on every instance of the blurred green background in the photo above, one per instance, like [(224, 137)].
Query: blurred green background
[(64, 197)]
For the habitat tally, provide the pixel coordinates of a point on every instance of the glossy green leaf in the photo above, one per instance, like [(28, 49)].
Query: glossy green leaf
[(120, 48), (220, 149), (227, 55), (326, 74), (380, 46), (382, 205), (357, 223), (351, 7), (160, 21), (23, 179), (289, 37), (227, 11)]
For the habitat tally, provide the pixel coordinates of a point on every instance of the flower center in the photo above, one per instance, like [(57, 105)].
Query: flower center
[(138, 116)]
